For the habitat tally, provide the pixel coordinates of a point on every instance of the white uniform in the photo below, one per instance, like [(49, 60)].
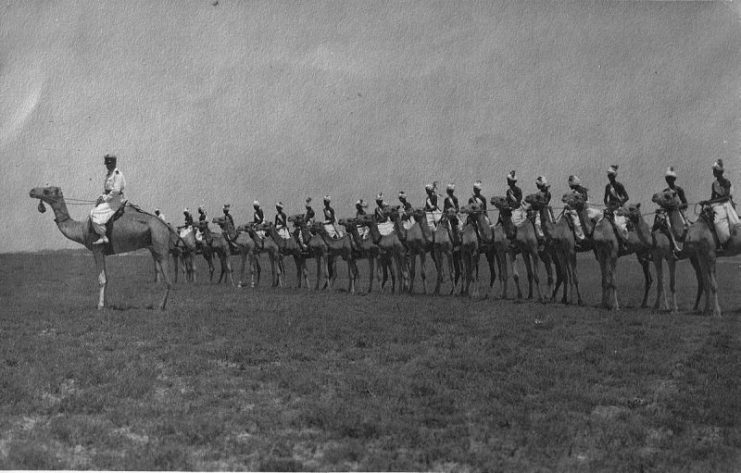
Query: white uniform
[(113, 196)]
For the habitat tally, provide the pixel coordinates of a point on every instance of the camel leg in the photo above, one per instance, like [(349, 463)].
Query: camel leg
[(672, 284), (412, 272), (536, 276), (575, 277), (162, 262), (612, 285), (647, 280), (659, 267), (545, 257), (352, 274), (102, 280), (318, 260), (423, 271), (371, 272), (713, 286), (700, 281)]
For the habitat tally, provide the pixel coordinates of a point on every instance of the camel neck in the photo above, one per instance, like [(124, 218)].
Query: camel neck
[(677, 222), (70, 228), (545, 222), (484, 229)]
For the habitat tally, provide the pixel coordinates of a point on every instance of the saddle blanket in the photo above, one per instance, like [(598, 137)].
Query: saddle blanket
[(386, 228), (333, 231), (407, 224), (621, 222), (184, 231), (363, 231), (284, 233), (433, 218), (725, 219), (519, 216)]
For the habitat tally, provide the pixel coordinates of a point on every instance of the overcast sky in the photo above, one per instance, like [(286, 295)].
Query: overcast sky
[(273, 100)]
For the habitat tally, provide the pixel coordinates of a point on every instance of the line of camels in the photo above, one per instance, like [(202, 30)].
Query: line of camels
[(395, 254)]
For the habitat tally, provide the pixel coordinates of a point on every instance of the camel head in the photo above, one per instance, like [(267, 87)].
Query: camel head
[(535, 201), (632, 212), (50, 195), (346, 222), (218, 221), (419, 215), (574, 199), (666, 199), (297, 219), (500, 203)]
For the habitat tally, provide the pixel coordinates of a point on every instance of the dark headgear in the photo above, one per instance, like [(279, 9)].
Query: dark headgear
[(109, 159)]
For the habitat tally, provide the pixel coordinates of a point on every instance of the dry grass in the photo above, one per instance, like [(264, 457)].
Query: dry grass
[(282, 380)]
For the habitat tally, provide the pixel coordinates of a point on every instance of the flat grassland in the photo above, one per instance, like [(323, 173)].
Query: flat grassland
[(287, 379)]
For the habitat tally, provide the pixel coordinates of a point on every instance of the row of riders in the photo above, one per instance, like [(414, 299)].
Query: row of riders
[(514, 215), (400, 234)]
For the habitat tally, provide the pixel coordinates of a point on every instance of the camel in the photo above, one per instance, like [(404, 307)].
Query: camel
[(606, 249), (134, 230), (561, 242), (470, 257), (216, 244), (319, 249), (268, 246), (700, 243), (419, 241), (391, 250), (362, 248), (526, 241), (442, 246), (289, 247), (184, 252), (662, 250), (337, 247)]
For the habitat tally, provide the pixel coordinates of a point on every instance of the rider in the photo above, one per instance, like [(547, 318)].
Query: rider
[(188, 218), (379, 214), (229, 229), (258, 219), (432, 211), (544, 190), (721, 201), (406, 207), (309, 215), (158, 213), (202, 213), (330, 222), (571, 214), (514, 200), (671, 179), (616, 197), (281, 221), (360, 207), (110, 201), (451, 202)]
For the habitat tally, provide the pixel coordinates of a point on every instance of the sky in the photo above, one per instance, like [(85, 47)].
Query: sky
[(209, 102)]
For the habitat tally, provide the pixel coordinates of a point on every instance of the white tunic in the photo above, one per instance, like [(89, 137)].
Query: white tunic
[(112, 197)]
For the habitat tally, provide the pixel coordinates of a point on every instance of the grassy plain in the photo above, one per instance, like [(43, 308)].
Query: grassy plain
[(285, 379)]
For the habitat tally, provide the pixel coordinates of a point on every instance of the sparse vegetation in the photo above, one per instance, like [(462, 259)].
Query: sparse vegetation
[(286, 379)]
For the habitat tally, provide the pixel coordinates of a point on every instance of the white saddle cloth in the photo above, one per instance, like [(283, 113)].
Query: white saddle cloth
[(199, 235), (183, 233), (333, 231), (519, 216), (433, 218), (407, 224), (621, 222), (725, 219), (284, 233), (386, 228), (260, 233)]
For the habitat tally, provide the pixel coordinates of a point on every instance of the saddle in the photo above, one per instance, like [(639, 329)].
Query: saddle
[(108, 247)]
